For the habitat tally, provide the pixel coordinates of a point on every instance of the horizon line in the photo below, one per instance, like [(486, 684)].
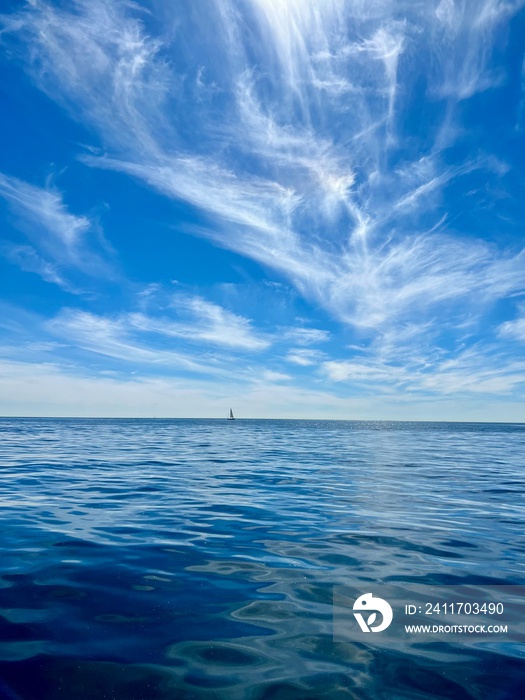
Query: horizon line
[(339, 420)]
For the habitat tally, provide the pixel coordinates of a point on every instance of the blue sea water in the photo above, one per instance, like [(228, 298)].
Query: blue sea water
[(167, 559)]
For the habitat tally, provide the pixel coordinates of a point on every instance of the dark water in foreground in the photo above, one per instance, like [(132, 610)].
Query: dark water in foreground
[(197, 559)]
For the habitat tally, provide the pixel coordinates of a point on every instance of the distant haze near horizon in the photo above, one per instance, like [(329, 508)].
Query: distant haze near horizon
[(299, 209), (359, 423)]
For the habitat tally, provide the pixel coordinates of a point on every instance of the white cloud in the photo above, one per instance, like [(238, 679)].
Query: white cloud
[(112, 338), (514, 329), (304, 357), (61, 241), (300, 180), (289, 158), (45, 207), (150, 343), (48, 389), (206, 323), (339, 371), (473, 371), (270, 375), (27, 259), (305, 336), (465, 35)]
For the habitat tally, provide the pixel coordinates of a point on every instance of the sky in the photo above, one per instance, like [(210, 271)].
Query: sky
[(296, 208)]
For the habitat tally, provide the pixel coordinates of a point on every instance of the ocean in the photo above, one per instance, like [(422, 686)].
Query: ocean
[(167, 559)]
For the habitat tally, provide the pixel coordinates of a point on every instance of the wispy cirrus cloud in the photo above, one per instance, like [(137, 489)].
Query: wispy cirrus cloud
[(205, 322), (304, 357), (476, 370), (59, 240), (304, 336), (27, 259), (514, 329), (52, 389), (145, 340), (289, 133), (468, 31), (118, 78)]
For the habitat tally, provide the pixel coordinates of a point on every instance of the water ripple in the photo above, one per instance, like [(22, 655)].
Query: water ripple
[(197, 559)]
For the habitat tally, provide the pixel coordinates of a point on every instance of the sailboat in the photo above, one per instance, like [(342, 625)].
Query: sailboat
[(231, 416)]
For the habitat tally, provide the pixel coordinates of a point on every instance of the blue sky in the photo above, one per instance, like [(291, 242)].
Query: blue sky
[(292, 207)]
